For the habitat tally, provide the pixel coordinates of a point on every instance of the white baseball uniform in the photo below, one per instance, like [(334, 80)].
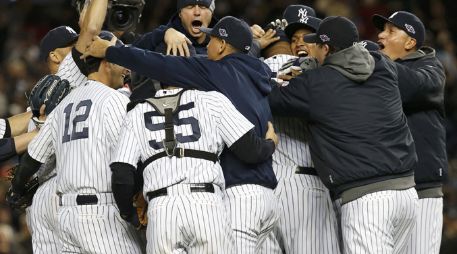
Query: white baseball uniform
[(42, 215), (307, 222), (182, 221), (426, 234), (82, 132)]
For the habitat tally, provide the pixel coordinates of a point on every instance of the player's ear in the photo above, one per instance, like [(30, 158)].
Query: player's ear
[(54, 57), (410, 43), (222, 47)]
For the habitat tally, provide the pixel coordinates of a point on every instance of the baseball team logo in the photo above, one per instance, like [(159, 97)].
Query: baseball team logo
[(223, 32), (410, 28), (303, 15), (324, 37)]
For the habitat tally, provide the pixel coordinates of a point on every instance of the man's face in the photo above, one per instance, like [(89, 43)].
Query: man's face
[(193, 17), (320, 52), (297, 45), (118, 74), (213, 48), (394, 41)]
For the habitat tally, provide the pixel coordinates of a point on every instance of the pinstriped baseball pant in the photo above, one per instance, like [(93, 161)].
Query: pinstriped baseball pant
[(426, 235), (254, 214), (380, 222), (188, 222)]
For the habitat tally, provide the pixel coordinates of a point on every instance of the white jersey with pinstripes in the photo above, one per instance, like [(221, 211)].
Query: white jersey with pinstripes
[(42, 215), (2, 127), (184, 222), (70, 71), (207, 121), (82, 131)]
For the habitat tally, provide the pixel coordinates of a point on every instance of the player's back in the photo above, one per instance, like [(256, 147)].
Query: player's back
[(87, 124), (204, 121)]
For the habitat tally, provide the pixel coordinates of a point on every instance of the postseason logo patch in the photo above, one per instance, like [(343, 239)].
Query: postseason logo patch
[(324, 38), (410, 28), (223, 32)]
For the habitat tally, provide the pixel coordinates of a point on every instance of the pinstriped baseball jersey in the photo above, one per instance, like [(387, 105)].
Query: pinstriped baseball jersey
[(82, 131), (206, 121), (69, 70), (293, 150), (2, 127), (275, 62)]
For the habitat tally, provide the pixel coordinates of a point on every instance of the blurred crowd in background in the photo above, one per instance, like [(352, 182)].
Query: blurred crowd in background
[(24, 22)]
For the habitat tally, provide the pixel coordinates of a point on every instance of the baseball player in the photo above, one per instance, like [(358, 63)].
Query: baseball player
[(82, 132), (307, 221), (245, 81), (183, 178), (421, 81), (59, 49), (359, 138)]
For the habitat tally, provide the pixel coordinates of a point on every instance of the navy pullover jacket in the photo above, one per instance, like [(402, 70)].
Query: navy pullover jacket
[(245, 80)]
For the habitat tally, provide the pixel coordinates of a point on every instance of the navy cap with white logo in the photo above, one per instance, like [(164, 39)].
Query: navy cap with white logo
[(59, 37), (406, 21), (336, 31), (234, 31), (300, 16)]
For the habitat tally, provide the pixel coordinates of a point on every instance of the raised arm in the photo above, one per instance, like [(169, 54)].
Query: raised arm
[(18, 123), (291, 100), (90, 21)]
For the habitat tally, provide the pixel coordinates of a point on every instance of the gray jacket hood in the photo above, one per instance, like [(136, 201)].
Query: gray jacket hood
[(354, 62), (422, 52)]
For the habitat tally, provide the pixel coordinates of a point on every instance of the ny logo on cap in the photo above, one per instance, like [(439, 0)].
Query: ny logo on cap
[(303, 14), (362, 43), (324, 37), (222, 32), (410, 28)]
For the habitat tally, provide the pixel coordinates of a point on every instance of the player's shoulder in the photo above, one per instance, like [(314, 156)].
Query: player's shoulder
[(208, 95)]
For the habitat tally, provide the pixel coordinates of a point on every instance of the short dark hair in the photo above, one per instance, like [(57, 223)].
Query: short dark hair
[(331, 49)]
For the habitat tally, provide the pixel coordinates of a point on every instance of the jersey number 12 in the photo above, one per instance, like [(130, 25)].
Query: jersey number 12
[(74, 135)]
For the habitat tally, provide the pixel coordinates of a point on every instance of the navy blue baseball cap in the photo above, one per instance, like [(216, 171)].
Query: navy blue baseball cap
[(59, 37), (300, 16), (336, 31), (370, 45), (404, 20), (208, 3), (234, 31)]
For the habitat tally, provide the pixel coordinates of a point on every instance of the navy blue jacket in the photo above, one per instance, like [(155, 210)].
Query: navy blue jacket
[(358, 132), (242, 78), (154, 40), (421, 80)]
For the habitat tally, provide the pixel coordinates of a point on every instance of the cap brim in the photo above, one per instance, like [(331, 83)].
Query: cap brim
[(206, 30), (313, 24), (379, 21), (311, 38)]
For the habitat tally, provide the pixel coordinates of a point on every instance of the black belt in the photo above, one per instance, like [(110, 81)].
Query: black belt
[(181, 152), (86, 199), (204, 187), (306, 171)]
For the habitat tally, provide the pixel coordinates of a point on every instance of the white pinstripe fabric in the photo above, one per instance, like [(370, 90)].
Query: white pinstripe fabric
[(43, 216), (184, 222), (307, 220), (426, 235), (2, 127), (379, 222), (45, 205), (188, 223), (254, 214), (83, 168), (69, 70)]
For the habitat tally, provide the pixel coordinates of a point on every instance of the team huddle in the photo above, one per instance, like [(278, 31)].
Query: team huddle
[(165, 143)]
